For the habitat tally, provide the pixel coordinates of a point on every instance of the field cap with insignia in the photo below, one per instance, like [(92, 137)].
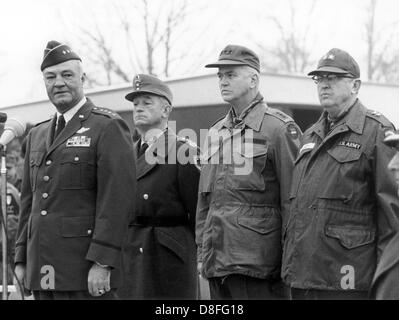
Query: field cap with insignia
[(392, 139), (56, 53), (145, 83), (234, 55), (337, 61)]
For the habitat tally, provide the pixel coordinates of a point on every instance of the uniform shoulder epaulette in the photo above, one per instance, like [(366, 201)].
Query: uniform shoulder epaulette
[(106, 112), (378, 116), (39, 123), (217, 121), (191, 143), (279, 115)]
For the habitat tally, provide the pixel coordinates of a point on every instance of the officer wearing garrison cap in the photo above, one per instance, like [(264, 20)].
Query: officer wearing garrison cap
[(160, 252), (385, 284), (76, 191), (247, 163), (344, 205)]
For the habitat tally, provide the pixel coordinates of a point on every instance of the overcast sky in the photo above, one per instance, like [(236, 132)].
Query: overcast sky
[(27, 25)]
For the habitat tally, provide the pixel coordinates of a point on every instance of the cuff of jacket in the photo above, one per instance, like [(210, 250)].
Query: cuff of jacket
[(104, 253), (20, 253)]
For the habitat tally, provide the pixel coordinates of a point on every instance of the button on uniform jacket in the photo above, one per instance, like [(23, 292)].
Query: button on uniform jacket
[(76, 198), (160, 252), (343, 203), (243, 193)]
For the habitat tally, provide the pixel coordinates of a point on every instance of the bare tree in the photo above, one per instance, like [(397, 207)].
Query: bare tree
[(150, 40), (382, 61), (292, 53)]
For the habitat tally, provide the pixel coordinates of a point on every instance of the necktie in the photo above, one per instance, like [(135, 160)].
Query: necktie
[(60, 126), (143, 148)]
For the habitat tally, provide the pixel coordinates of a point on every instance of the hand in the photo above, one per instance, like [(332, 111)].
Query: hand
[(99, 280), (19, 279)]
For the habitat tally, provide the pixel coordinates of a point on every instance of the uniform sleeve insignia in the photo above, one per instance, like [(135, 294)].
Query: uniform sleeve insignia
[(293, 131)]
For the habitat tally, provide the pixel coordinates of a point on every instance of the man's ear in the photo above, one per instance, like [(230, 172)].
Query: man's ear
[(83, 78), (254, 80), (356, 86), (167, 109)]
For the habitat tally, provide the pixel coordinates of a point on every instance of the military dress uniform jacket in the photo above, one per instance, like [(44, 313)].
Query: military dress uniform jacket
[(76, 198), (243, 193), (343, 201), (160, 251)]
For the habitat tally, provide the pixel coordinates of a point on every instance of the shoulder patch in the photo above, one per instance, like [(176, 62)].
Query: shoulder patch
[(39, 123), (279, 115), (379, 117), (105, 112), (293, 131)]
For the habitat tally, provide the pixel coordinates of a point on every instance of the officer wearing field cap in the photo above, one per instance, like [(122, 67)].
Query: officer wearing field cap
[(385, 284), (160, 252), (343, 198), (244, 186), (76, 190)]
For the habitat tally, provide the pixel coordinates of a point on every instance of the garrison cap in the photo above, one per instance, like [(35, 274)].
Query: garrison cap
[(234, 55), (56, 53), (145, 83), (337, 61), (392, 139)]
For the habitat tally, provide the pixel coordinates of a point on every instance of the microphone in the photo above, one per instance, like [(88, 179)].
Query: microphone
[(3, 117), (13, 128)]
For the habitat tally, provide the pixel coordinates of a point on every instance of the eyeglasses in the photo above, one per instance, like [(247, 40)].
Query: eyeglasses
[(330, 78)]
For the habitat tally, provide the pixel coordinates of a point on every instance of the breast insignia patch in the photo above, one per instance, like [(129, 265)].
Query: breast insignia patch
[(349, 144), (79, 141)]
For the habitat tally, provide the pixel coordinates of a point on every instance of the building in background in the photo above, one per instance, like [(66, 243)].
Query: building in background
[(198, 104)]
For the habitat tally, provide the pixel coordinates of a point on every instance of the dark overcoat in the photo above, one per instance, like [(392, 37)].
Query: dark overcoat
[(76, 199), (160, 253)]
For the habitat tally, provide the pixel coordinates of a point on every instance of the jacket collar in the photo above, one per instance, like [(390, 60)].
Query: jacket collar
[(71, 127), (253, 119), (354, 119), (157, 153)]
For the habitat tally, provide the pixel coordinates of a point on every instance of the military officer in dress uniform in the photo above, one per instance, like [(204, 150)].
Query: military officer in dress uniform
[(76, 192), (160, 254), (343, 198), (385, 284), (245, 179)]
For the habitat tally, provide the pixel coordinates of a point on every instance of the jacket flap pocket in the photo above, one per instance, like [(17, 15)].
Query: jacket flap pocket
[(342, 154), (36, 158), (171, 243), (262, 220), (77, 226), (351, 236), (77, 156), (253, 150)]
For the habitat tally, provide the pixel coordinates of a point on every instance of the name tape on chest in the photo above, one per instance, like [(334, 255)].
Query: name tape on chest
[(79, 141), (349, 144)]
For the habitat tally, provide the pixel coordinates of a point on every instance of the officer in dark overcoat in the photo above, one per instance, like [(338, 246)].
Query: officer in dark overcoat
[(76, 191), (160, 254)]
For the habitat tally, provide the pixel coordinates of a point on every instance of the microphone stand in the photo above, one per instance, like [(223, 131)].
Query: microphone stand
[(3, 172)]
